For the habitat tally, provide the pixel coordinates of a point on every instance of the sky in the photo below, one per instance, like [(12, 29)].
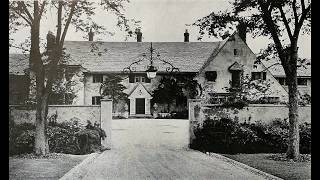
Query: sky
[(162, 21)]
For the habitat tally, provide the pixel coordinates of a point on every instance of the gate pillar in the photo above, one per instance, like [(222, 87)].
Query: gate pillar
[(106, 121)]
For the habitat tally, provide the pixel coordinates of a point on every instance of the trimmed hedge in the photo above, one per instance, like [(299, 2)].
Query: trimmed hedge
[(67, 137), (228, 136)]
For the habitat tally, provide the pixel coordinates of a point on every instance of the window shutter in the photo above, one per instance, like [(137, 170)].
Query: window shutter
[(93, 101), (131, 78), (264, 75)]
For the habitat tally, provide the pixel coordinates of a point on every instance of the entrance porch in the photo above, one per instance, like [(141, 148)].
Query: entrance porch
[(140, 102)]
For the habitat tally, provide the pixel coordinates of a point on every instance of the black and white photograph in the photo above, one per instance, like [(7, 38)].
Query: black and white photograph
[(159, 89)]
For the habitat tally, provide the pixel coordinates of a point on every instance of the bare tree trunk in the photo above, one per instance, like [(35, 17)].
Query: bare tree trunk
[(293, 146), (41, 144)]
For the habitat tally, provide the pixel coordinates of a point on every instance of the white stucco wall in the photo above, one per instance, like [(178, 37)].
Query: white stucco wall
[(225, 58)]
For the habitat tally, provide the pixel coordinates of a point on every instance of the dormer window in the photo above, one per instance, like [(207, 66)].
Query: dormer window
[(97, 78), (211, 76)]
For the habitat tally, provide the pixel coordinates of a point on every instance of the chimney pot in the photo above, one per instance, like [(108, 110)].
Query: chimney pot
[(139, 35), (90, 35), (186, 36), (50, 41), (242, 31)]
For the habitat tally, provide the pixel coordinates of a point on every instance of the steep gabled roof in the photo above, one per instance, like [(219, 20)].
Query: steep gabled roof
[(277, 70), (115, 56), (138, 85), (214, 53)]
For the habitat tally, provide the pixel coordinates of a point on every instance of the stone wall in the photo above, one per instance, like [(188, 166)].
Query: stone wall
[(22, 114), (265, 113)]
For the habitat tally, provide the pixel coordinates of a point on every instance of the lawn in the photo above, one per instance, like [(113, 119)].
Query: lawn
[(282, 169), (32, 168)]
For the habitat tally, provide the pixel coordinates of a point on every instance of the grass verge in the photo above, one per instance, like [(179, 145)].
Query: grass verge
[(279, 167), (53, 166)]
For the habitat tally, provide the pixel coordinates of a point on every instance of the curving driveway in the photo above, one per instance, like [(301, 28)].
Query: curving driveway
[(156, 149)]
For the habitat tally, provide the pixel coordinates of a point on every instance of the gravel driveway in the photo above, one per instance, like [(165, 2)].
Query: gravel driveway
[(157, 149)]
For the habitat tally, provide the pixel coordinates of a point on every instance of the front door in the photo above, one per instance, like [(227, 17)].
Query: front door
[(140, 106)]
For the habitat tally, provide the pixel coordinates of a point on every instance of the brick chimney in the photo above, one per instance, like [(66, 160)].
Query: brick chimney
[(242, 31), (51, 40), (186, 36), (139, 35), (90, 35)]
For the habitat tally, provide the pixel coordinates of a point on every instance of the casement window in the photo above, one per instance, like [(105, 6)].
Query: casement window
[(97, 78), (236, 52), (139, 78), (302, 82), (236, 81), (96, 100), (136, 79), (259, 75), (211, 76), (282, 81)]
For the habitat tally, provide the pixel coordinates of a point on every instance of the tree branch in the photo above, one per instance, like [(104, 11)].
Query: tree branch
[(73, 5), (302, 18), (26, 19), (25, 9), (294, 8), (303, 5), (285, 21), (59, 22), (266, 15), (42, 8)]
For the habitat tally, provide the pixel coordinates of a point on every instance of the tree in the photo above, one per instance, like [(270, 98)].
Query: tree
[(171, 88), (283, 20), (43, 66), (166, 92), (112, 87)]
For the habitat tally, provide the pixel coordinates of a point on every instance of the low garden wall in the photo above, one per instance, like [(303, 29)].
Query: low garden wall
[(265, 113), (27, 114)]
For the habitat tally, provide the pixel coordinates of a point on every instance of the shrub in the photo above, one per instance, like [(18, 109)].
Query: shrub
[(305, 138), (21, 138), (62, 137), (227, 136), (223, 136), (89, 139), (179, 114)]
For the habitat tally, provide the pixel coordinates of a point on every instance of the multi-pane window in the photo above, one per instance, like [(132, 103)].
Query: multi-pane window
[(96, 100), (136, 79), (97, 78), (258, 75), (211, 75), (302, 81), (139, 78)]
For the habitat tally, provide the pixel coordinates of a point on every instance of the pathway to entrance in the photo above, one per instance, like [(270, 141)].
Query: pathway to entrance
[(157, 149)]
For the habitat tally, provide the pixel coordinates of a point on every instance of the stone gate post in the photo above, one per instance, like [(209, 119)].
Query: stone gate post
[(194, 112), (106, 120)]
